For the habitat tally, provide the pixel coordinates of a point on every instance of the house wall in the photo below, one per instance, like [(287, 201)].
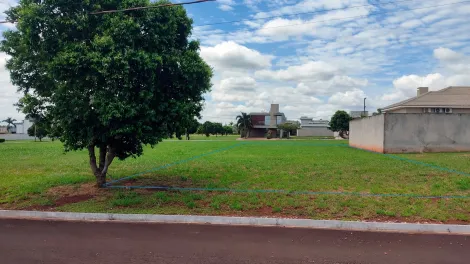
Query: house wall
[(257, 119), (257, 132), (461, 110), (314, 131), (367, 133), (425, 133)]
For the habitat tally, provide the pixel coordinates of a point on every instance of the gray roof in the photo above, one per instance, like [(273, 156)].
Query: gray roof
[(453, 96), (260, 113)]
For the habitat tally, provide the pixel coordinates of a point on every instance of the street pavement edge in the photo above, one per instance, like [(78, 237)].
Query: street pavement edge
[(243, 221)]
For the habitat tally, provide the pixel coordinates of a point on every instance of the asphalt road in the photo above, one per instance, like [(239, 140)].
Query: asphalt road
[(24, 241)]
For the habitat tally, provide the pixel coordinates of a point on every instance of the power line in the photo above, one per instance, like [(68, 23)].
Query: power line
[(302, 13), (336, 19), (132, 9), (149, 7)]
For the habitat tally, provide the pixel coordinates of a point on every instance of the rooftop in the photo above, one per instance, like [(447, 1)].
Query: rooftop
[(453, 96)]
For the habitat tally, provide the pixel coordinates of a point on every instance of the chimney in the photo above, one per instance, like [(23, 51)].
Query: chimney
[(274, 109), (422, 90)]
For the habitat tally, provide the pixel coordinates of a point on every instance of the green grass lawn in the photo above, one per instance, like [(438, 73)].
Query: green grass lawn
[(40, 176)]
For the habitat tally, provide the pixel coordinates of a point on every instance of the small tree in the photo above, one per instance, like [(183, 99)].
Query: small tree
[(287, 127), (192, 128), (39, 130), (217, 129), (228, 130), (340, 123), (207, 128), (379, 112)]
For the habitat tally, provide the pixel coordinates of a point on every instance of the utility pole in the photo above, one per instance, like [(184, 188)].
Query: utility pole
[(364, 114)]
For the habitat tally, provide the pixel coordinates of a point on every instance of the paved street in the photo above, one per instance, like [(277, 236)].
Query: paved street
[(73, 242)]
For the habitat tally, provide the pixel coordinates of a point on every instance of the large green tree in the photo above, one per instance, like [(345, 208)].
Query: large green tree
[(340, 123), (112, 82)]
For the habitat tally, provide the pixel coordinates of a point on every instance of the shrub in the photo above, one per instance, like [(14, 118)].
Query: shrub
[(269, 135), (2, 140)]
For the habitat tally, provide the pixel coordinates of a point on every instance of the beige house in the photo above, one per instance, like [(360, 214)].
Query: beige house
[(430, 122), (450, 100)]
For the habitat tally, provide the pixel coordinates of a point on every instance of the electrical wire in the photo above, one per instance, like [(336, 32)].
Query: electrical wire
[(150, 7), (133, 9), (302, 13)]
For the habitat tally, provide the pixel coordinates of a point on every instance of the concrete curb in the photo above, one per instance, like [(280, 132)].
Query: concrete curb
[(250, 221)]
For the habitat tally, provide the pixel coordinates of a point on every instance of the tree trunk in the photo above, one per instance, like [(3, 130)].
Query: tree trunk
[(106, 158)]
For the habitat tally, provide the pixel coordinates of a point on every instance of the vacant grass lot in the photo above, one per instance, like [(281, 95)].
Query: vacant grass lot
[(40, 176)]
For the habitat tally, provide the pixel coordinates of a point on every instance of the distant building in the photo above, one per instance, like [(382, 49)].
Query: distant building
[(3, 129), (264, 122), (21, 127), (314, 128), (358, 114)]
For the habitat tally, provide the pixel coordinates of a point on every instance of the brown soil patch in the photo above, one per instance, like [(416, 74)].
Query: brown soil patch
[(60, 202), (74, 190)]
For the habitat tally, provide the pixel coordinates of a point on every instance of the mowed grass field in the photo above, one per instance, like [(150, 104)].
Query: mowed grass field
[(267, 178)]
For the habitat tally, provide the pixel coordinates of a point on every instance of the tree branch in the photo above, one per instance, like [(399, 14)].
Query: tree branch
[(92, 156), (109, 160), (102, 157)]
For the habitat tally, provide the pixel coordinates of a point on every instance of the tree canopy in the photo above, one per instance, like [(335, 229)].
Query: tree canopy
[(110, 81), (288, 127), (39, 130), (340, 123)]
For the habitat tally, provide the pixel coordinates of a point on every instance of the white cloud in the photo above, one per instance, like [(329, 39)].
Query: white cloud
[(445, 54), (226, 5), (320, 25), (454, 66), (8, 94), (238, 84), (230, 55), (354, 97), (412, 23), (313, 70), (411, 82)]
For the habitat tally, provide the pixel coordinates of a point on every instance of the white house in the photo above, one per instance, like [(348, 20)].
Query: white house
[(22, 127), (314, 128)]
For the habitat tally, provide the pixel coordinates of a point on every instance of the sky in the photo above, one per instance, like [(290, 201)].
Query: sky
[(314, 57)]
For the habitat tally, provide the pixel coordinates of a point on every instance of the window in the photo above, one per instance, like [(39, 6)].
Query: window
[(278, 119), (435, 110), (267, 120)]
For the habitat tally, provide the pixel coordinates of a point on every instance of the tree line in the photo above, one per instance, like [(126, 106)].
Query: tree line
[(212, 128)]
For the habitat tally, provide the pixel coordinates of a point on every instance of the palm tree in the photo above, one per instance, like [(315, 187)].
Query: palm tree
[(10, 121), (244, 123)]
